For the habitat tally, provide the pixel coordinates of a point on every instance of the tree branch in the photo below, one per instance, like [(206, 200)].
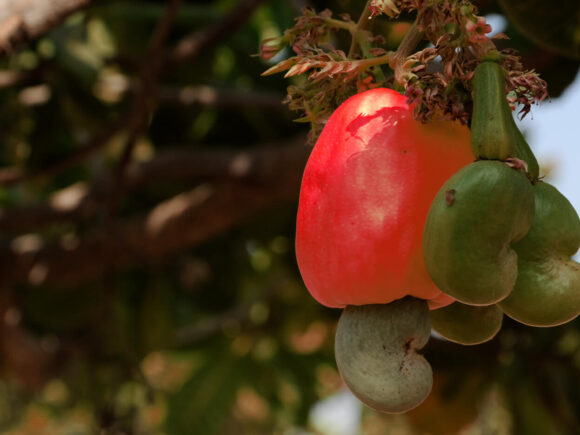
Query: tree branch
[(80, 201), (142, 104), (24, 20), (222, 98), (187, 48), (184, 221), (15, 175)]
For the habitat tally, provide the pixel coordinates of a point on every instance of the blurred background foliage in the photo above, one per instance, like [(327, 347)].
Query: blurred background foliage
[(148, 190)]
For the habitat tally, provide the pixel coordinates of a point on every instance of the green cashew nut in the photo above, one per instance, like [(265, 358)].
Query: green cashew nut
[(472, 221), (375, 349), (547, 291), (466, 324)]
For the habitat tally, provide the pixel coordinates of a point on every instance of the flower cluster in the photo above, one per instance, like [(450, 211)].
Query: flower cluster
[(332, 75), (436, 79), (311, 30)]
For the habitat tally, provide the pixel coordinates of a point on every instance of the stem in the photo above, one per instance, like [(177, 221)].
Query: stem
[(333, 22), (412, 38), (359, 38), (361, 26), (375, 61)]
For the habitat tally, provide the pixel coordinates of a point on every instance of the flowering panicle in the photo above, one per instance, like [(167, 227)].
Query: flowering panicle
[(436, 79), (335, 75)]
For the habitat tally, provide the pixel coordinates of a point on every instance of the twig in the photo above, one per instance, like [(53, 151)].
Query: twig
[(143, 102), (362, 25), (412, 38), (16, 175)]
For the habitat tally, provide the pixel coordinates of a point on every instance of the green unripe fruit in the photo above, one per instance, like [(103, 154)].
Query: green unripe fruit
[(547, 291), (524, 153), (376, 355), (491, 133), (472, 221), (466, 324), (494, 133)]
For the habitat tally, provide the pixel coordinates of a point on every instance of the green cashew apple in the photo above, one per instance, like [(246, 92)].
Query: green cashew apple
[(547, 291), (376, 353), (466, 324), (472, 221)]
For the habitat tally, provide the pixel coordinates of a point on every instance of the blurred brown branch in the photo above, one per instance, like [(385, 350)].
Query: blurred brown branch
[(142, 104), (190, 95), (133, 118), (215, 97), (80, 201), (24, 20), (259, 180)]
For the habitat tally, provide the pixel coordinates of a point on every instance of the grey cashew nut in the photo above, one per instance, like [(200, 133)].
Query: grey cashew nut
[(375, 349)]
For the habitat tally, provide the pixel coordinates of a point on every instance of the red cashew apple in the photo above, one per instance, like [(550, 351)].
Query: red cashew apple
[(365, 194)]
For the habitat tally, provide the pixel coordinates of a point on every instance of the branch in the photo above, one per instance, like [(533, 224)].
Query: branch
[(142, 103), (223, 98), (189, 95), (204, 95), (187, 48), (15, 175), (80, 201), (184, 221), (24, 20)]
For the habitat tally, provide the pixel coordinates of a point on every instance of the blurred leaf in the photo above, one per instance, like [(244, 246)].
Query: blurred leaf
[(455, 395), (156, 316), (553, 25), (73, 52), (531, 416), (204, 401), (59, 310)]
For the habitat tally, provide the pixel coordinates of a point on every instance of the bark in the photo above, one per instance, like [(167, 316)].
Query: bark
[(184, 221), (25, 20), (182, 165)]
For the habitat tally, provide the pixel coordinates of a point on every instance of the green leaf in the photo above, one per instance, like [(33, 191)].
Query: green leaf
[(530, 414), (202, 405), (552, 25)]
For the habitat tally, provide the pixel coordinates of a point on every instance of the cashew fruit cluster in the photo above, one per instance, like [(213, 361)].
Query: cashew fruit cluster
[(497, 237), (416, 227), (366, 191)]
